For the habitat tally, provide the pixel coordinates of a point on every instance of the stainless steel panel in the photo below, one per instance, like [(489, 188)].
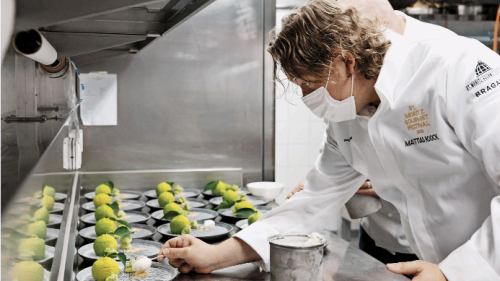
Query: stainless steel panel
[(74, 44), (110, 27), (62, 266), (99, 55), (136, 14), (15, 215), (35, 13), (269, 98), (192, 100), (25, 88), (149, 179)]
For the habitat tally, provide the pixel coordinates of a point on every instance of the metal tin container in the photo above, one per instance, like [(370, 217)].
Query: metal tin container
[(295, 262)]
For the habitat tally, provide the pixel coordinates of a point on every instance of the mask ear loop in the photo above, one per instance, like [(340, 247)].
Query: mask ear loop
[(352, 83), (329, 72)]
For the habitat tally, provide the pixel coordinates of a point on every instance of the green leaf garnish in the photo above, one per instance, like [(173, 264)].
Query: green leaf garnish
[(123, 231), (114, 206), (245, 212), (225, 205), (211, 185), (121, 256), (170, 183), (125, 223), (34, 208), (170, 215), (110, 184), (170, 191)]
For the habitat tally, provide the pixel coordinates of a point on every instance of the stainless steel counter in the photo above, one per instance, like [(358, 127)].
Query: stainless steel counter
[(342, 262)]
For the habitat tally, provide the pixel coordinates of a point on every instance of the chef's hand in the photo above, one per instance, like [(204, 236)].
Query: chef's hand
[(367, 189), (188, 253), (296, 189), (422, 270)]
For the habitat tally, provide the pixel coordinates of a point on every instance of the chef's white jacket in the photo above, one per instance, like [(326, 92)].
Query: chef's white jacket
[(381, 220), (432, 149)]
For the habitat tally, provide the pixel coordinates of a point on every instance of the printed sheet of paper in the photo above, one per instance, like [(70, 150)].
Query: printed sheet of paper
[(99, 94)]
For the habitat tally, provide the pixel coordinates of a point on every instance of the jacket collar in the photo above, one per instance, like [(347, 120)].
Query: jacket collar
[(391, 67)]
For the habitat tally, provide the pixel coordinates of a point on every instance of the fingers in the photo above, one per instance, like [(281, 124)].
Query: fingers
[(366, 191), (366, 184), (177, 263), (296, 189), (186, 268), (409, 268)]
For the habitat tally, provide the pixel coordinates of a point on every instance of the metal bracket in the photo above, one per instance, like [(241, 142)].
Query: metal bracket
[(15, 119), (72, 151), (49, 108)]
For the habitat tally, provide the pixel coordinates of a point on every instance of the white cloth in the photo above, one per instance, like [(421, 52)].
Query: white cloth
[(442, 173)]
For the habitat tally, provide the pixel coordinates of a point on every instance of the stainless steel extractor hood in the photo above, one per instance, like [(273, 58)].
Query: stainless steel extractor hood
[(96, 30)]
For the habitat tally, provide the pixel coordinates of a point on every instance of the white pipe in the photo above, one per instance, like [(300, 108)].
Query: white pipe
[(33, 45)]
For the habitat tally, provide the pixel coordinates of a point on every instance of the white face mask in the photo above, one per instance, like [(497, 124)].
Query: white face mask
[(324, 106)]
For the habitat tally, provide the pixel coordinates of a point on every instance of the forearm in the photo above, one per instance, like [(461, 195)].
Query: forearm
[(232, 252)]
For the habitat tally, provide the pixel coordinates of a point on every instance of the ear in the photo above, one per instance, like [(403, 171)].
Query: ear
[(350, 62)]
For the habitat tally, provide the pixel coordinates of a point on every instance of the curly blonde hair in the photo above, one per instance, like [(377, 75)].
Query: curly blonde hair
[(321, 30)]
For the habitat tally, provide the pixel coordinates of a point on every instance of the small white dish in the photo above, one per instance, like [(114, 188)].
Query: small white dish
[(267, 189)]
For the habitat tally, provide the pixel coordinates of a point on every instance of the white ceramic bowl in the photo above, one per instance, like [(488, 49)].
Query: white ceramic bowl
[(267, 189)]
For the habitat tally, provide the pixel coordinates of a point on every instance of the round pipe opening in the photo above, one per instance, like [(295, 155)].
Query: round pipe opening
[(28, 42)]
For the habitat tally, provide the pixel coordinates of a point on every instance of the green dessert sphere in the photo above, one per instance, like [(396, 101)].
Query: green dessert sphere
[(103, 189), (162, 187), (178, 223), (165, 198), (104, 242), (42, 214), (101, 199), (172, 206), (103, 268), (230, 195), (242, 205), (219, 189), (253, 218), (103, 211), (48, 202), (104, 226), (35, 245), (38, 228), (49, 191), (27, 271)]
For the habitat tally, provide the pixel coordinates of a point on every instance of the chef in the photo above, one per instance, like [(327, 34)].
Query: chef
[(431, 149)]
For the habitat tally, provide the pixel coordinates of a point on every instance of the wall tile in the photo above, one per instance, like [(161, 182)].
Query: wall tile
[(298, 155), (281, 110), (298, 132), (313, 153), (281, 133), (317, 133), (281, 155)]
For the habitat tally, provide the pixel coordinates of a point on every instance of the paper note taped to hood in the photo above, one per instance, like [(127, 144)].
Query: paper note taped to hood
[(99, 94)]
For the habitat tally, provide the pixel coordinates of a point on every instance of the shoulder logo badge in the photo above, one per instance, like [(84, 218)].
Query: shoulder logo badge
[(483, 73), (481, 68)]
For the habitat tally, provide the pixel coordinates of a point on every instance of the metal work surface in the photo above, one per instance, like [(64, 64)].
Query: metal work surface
[(341, 262)]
